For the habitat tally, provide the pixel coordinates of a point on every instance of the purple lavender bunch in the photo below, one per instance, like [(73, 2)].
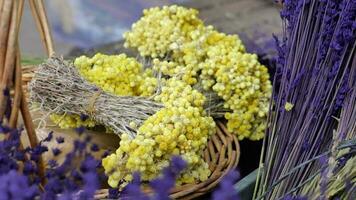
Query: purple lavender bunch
[(160, 186), (315, 74), (16, 186), (9, 150), (64, 181)]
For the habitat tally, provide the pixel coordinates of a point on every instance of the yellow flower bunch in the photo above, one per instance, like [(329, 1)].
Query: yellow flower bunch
[(181, 128), (171, 131), (187, 73), (218, 62), (117, 74), (217, 54), (161, 30), (244, 85), (147, 83), (179, 94)]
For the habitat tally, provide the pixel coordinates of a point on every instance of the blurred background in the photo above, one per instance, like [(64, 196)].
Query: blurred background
[(85, 26)]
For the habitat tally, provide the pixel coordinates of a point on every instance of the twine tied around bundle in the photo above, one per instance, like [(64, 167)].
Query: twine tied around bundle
[(91, 102)]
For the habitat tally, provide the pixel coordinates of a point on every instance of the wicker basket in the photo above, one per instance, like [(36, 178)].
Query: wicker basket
[(222, 154)]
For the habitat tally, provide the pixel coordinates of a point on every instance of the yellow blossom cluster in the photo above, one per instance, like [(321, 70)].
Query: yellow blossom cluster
[(187, 73), (117, 74), (181, 128), (215, 60), (170, 131), (161, 30), (177, 93), (245, 87), (218, 51)]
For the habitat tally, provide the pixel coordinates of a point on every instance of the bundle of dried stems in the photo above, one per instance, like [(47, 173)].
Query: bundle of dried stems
[(58, 88)]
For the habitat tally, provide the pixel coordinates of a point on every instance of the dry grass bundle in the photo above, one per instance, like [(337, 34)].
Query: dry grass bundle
[(57, 87)]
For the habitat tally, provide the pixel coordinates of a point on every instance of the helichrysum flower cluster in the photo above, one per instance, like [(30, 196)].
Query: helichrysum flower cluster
[(218, 61), (245, 87), (177, 93), (181, 128), (162, 30), (117, 74)]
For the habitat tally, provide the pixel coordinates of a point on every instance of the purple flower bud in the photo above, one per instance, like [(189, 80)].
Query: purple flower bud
[(4, 128), (87, 138), (94, 148), (178, 164), (29, 168), (76, 175), (19, 155), (52, 163), (6, 92), (80, 130), (106, 153), (37, 152), (60, 140), (91, 184), (8, 108), (52, 188), (113, 193), (89, 164), (49, 137), (56, 151), (79, 145), (133, 189), (83, 117)]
